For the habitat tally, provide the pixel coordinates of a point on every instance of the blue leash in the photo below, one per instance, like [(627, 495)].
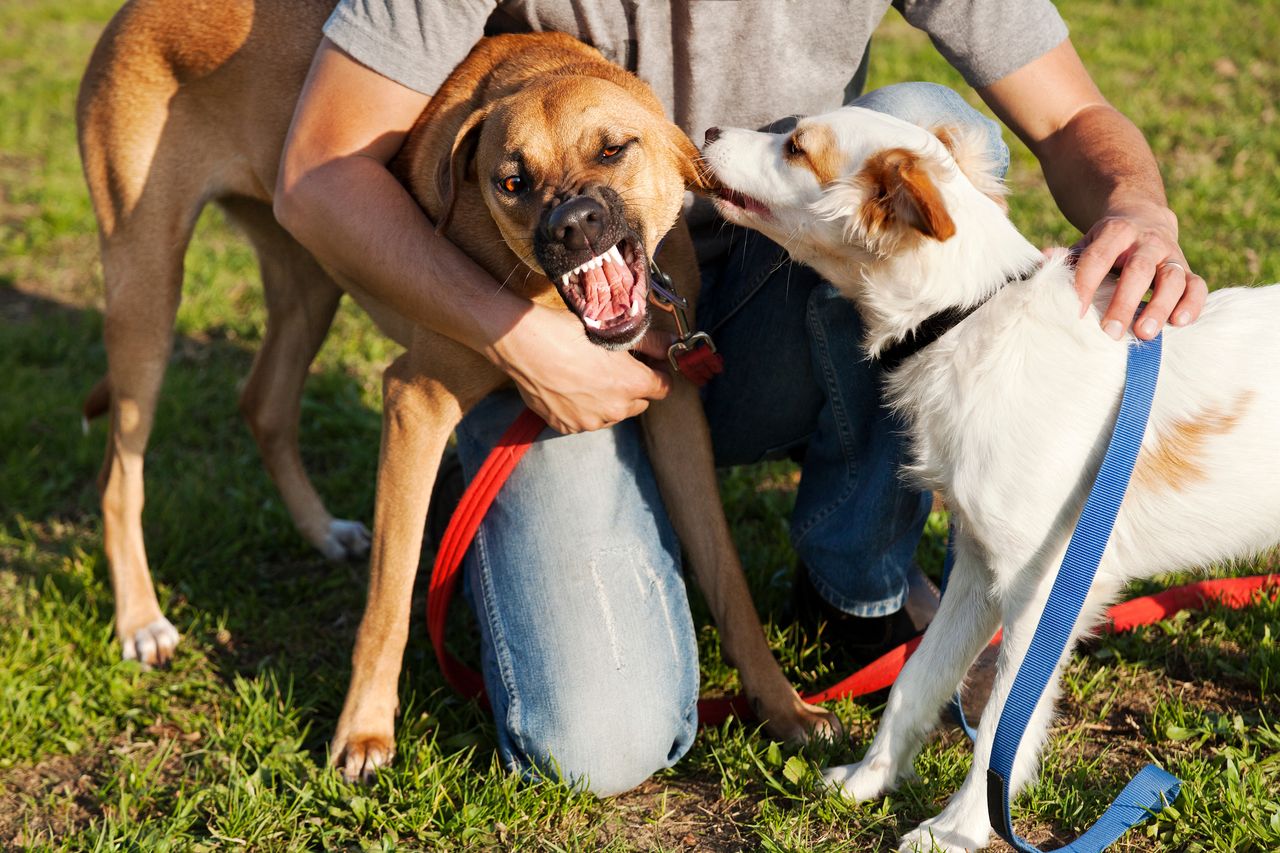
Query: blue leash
[(1152, 789)]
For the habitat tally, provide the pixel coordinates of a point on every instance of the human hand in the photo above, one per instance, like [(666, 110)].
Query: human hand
[(575, 385), (1141, 240)]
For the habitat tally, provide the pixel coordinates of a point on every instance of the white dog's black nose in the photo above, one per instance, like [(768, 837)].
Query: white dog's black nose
[(713, 133), (577, 223)]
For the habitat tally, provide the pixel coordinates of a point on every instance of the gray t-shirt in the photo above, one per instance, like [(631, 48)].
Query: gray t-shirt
[(738, 63)]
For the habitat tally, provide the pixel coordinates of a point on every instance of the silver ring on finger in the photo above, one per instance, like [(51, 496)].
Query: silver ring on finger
[(1172, 264)]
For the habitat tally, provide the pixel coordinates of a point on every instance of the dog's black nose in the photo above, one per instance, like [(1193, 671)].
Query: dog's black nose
[(713, 133), (577, 223)]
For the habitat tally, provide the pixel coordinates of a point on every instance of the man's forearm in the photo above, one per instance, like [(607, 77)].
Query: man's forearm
[(1104, 177), (359, 221), (1099, 163)]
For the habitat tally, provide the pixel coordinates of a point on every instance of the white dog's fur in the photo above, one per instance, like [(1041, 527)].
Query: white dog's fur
[(1009, 413)]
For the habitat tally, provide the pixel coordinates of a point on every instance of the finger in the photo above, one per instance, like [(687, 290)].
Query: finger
[(1135, 281), (1098, 257), (638, 407), (659, 385), (1192, 302), (1170, 283), (561, 427)]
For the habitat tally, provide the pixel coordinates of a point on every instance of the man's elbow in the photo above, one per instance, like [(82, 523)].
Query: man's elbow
[(286, 201)]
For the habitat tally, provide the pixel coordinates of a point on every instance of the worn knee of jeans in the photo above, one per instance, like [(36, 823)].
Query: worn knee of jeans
[(932, 105), (587, 642), (602, 739)]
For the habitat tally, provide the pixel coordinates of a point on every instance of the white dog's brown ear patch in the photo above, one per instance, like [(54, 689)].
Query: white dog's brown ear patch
[(968, 146), (901, 190)]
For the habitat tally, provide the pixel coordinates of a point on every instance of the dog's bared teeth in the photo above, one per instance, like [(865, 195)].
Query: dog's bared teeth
[(613, 253), (564, 280), (592, 322)]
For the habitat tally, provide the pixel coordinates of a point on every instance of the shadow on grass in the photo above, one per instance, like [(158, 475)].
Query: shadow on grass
[(232, 573)]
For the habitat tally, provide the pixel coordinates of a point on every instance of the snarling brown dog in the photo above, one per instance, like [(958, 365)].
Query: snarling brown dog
[(179, 108)]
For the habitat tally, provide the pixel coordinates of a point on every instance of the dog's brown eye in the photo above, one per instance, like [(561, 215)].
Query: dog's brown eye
[(793, 147), (610, 151), (513, 184)]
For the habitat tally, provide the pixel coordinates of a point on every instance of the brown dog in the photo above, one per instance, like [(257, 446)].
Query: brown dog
[(178, 108)]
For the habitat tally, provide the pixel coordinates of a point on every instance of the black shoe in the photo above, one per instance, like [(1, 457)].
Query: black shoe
[(856, 641), (445, 495)]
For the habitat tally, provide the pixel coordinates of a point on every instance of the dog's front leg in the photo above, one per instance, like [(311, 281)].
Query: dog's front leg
[(963, 824), (419, 413), (965, 622), (680, 449)]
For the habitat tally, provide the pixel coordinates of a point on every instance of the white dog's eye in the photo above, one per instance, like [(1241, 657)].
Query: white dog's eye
[(793, 147)]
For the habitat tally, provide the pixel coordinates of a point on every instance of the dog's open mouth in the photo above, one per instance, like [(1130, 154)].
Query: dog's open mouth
[(730, 199), (609, 291)]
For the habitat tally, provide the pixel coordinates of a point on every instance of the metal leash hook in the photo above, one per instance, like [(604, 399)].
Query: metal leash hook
[(663, 295)]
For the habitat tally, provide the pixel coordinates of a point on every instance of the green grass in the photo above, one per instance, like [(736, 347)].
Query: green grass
[(226, 749)]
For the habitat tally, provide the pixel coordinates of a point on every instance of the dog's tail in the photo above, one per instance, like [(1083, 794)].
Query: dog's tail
[(96, 403)]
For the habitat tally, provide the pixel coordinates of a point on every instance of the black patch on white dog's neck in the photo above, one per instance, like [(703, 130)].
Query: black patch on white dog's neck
[(934, 327)]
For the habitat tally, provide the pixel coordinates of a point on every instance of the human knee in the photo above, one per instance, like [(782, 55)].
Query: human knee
[(605, 742)]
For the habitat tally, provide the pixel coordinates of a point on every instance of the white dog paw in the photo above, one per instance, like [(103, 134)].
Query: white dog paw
[(346, 540), (862, 781), (151, 644), (932, 838)]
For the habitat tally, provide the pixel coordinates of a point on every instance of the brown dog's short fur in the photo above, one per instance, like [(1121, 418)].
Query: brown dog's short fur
[(180, 106)]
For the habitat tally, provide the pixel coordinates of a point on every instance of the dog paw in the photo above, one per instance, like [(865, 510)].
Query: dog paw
[(866, 780), (358, 757), (152, 644), (346, 540), (930, 837), (802, 722)]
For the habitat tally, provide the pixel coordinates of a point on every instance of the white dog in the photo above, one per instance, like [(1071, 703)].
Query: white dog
[(1009, 411)]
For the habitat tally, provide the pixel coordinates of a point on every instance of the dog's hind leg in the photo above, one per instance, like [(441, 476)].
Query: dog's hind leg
[(301, 300), (965, 622), (142, 269), (419, 413)]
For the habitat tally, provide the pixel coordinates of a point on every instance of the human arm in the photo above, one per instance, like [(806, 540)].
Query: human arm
[(335, 195), (1105, 180)]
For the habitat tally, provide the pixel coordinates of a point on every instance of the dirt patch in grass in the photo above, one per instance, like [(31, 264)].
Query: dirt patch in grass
[(684, 814), (51, 799), (62, 795)]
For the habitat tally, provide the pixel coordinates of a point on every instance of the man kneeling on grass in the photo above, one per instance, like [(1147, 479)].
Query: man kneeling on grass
[(585, 513)]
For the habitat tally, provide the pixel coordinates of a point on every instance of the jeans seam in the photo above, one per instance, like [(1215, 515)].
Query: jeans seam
[(501, 651), (863, 609), (836, 401), (766, 270)]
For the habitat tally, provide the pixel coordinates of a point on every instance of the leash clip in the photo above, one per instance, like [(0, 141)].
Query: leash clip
[(663, 295)]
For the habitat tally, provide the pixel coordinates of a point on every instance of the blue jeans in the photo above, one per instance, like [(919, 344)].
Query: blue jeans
[(588, 647)]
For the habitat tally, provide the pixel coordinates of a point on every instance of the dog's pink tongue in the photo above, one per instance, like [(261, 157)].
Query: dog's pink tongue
[(608, 290)]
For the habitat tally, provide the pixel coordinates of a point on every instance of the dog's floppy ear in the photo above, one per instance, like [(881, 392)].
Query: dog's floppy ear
[(970, 148), (459, 165), (902, 190)]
